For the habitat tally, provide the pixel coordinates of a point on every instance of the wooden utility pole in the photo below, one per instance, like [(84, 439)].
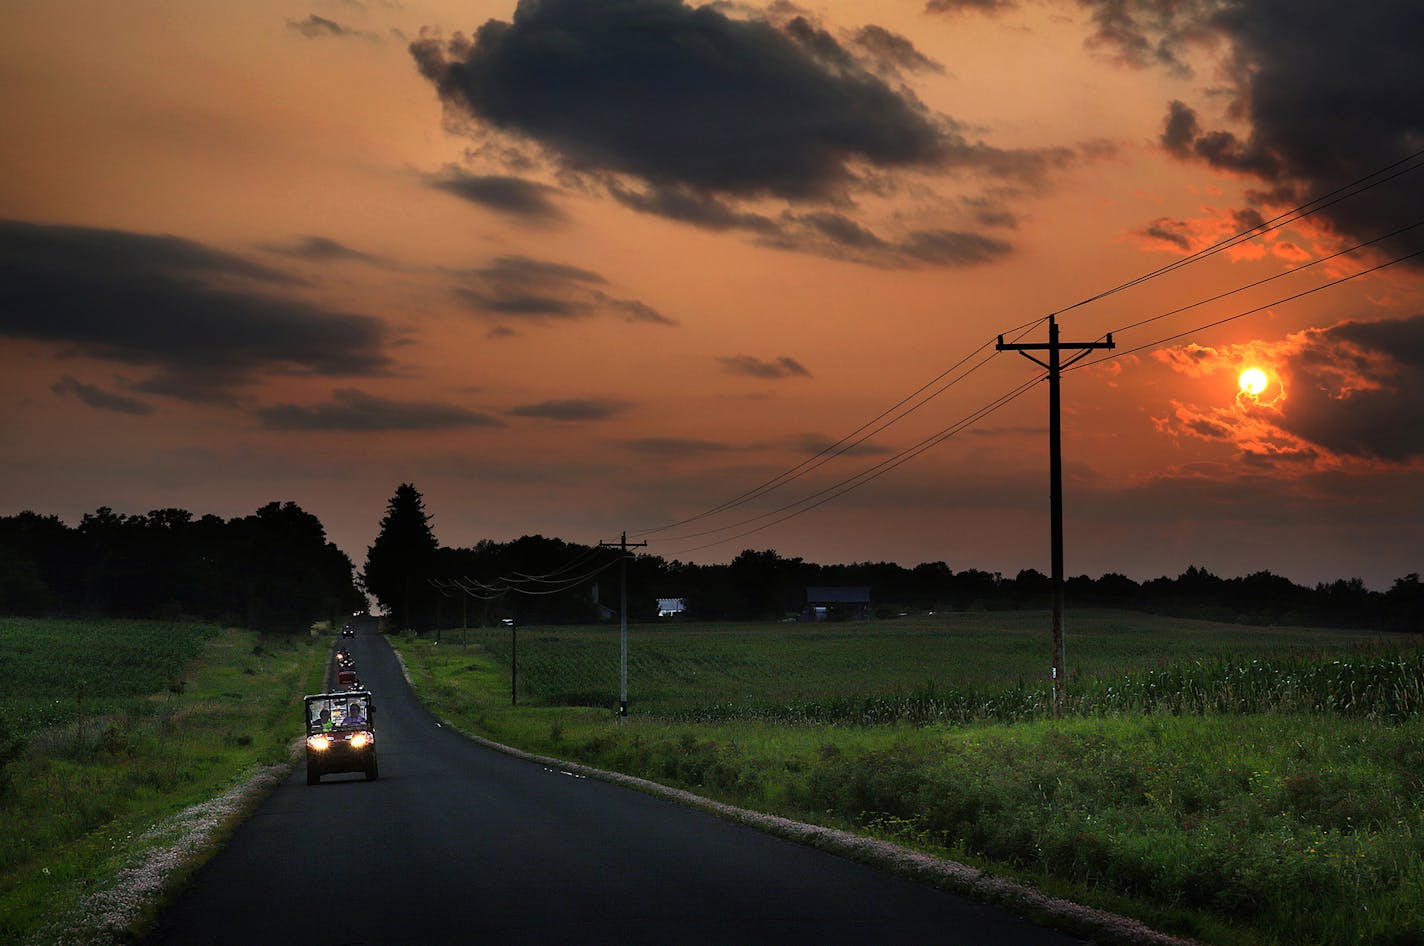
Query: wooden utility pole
[(1055, 367), (624, 545)]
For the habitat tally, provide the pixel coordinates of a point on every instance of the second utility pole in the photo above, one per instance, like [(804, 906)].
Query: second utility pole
[(1055, 472), (624, 545)]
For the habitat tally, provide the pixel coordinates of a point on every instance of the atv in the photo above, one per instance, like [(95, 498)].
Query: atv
[(341, 734)]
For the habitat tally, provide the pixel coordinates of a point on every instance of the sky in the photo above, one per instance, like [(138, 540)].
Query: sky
[(727, 276)]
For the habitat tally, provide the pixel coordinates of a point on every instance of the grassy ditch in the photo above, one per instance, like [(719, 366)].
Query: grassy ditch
[(113, 727), (1246, 790)]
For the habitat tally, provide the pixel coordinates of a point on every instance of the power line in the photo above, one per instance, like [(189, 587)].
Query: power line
[(573, 563), (1299, 212), (839, 489), (847, 443), (502, 586), (1261, 282), (1252, 311)]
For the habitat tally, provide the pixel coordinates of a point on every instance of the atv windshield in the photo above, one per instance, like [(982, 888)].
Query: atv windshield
[(338, 711)]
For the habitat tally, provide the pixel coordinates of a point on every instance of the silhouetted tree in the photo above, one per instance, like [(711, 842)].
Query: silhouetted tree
[(294, 576), (1404, 604), (767, 583), (402, 561)]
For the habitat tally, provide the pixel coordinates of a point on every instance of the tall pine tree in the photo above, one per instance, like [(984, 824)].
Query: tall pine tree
[(400, 563)]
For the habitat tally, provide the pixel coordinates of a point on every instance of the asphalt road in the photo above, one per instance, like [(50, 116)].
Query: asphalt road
[(457, 843)]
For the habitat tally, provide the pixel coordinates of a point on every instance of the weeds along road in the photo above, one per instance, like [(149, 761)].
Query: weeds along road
[(458, 843)]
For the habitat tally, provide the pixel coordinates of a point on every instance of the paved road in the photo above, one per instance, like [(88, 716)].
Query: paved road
[(456, 843)]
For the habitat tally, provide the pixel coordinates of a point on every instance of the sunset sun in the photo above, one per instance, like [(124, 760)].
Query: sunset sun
[(1253, 381)]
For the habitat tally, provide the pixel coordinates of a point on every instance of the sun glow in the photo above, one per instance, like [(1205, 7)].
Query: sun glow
[(1253, 381)]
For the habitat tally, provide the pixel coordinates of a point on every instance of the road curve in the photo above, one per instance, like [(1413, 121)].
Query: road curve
[(458, 843)]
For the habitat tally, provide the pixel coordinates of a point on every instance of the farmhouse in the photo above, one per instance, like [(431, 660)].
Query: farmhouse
[(837, 604), (671, 607)]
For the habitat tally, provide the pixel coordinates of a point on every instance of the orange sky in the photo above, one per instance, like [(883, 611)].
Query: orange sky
[(606, 266)]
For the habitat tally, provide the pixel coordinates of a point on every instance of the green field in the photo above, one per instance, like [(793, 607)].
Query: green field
[(680, 670), (108, 728), (1233, 784)]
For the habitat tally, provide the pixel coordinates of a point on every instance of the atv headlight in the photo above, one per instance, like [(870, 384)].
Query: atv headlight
[(319, 743), (360, 740)]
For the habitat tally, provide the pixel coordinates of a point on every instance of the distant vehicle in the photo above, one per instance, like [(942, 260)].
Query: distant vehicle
[(348, 631), (346, 679), (341, 734)]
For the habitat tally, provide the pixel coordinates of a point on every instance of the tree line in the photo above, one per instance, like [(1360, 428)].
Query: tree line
[(275, 569), (272, 570), (539, 580)]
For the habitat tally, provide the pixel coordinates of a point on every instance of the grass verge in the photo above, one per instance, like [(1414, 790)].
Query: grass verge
[(104, 791)]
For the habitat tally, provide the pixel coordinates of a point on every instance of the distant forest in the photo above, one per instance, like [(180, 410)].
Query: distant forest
[(272, 570), (276, 570)]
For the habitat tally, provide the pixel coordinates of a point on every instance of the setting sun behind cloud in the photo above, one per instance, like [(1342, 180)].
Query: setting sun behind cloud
[(1253, 381)]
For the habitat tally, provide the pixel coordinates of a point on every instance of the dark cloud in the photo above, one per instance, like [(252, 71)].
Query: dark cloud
[(836, 235), (205, 321), (1322, 93), (677, 95), (970, 6), (1175, 233), (954, 247), (1143, 33), (1344, 396), (820, 44), (1357, 388), (988, 212), (350, 409), (573, 409), (893, 51), (688, 206), (100, 399), (841, 230), (513, 196), (783, 367), (825, 232), (533, 290), (320, 249), (319, 27), (631, 309), (697, 114), (1184, 138)]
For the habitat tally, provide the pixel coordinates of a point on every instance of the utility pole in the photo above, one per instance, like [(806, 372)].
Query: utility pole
[(623, 545), (513, 662), (1055, 368)]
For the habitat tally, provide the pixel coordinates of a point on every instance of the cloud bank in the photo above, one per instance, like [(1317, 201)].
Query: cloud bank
[(690, 114), (204, 321), (1342, 395)]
